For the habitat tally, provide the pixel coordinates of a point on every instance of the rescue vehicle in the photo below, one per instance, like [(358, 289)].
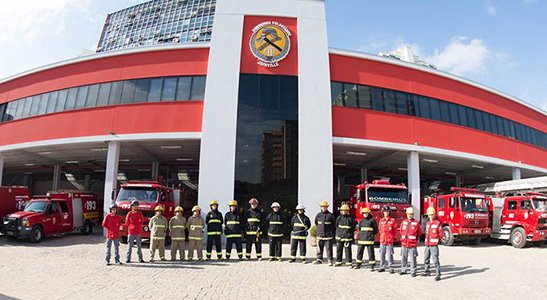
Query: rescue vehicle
[(463, 215), (149, 194), (53, 214), (520, 219), (12, 199)]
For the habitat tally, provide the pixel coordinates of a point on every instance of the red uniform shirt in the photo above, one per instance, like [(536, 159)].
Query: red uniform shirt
[(388, 230), (112, 225), (134, 221), (410, 233), (432, 233)]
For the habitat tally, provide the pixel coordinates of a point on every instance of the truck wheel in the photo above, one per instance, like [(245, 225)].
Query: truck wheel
[(475, 241), (88, 228), (36, 234), (518, 238), (123, 239), (448, 237)]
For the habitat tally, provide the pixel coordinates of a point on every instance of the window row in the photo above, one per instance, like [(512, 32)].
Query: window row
[(380, 99), (108, 93)]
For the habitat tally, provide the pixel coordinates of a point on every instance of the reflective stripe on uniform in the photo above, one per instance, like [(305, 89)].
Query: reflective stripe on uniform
[(344, 239), (328, 223), (358, 261), (229, 236), (177, 239), (344, 226), (275, 234), (434, 240), (158, 238), (367, 229), (214, 233), (412, 237), (328, 238), (252, 232), (371, 262), (253, 220), (319, 222), (178, 226), (365, 242), (214, 221), (232, 222), (297, 237), (159, 226), (299, 225), (195, 238), (276, 223)]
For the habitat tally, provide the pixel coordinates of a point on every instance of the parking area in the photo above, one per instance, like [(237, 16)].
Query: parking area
[(73, 267)]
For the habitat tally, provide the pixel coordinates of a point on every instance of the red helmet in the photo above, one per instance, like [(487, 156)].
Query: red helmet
[(253, 201)]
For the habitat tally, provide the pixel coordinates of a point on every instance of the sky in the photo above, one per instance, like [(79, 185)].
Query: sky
[(502, 44)]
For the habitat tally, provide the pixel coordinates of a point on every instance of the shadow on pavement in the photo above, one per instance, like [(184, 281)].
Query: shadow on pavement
[(2, 296), (451, 271), (161, 266)]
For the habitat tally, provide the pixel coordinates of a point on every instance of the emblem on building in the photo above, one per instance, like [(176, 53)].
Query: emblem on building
[(270, 43)]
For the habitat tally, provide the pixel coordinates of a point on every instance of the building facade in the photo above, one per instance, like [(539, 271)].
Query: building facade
[(264, 109)]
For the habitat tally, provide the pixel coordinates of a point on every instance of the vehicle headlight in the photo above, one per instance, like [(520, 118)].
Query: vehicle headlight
[(145, 228), (25, 222)]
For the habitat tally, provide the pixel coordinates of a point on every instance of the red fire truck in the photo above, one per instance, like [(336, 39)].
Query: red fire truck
[(12, 199), (376, 195), (55, 213), (520, 219), (463, 214), (149, 194)]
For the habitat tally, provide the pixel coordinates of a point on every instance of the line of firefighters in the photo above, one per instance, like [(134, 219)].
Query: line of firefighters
[(328, 230)]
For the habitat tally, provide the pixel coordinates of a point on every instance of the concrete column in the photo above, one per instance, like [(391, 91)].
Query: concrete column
[(87, 182), (111, 174), (1, 168), (56, 177), (155, 170), (458, 180), (413, 169), (364, 174), (516, 174)]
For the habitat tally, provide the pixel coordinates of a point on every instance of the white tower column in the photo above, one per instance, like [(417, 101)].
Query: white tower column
[(413, 171), (111, 174), (56, 177)]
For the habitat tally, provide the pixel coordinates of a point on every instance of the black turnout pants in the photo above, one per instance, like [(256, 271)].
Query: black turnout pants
[(213, 239), (275, 247)]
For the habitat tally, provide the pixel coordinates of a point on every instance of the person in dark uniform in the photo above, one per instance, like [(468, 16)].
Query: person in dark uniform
[(324, 222), (275, 231), (300, 224), (232, 229), (367, 230), (253, 229), (214, 222)]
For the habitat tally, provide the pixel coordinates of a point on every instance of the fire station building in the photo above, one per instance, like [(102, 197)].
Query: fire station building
[(248, 100)]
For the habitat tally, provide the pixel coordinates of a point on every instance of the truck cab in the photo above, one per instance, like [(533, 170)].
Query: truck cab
[(53, 214), (520, 219), (149, 194), (463, 214)]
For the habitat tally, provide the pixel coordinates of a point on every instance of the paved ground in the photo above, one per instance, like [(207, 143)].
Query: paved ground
[(72, 267)]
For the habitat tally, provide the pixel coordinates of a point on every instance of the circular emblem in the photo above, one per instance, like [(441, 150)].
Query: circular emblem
[(270, 43)]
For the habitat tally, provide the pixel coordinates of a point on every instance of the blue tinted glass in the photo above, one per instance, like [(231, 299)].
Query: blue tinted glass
[(128, 93), (184, 87), (81, 97), (169, 89), (61, 100), (445, 113), (115, 93), (92, 96), (154, 95), (141, 90), (34, 105), (336, 89), (104, 93), (52, 102), (198, 88)]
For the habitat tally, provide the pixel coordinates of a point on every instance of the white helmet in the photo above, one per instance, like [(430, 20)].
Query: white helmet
[(300, 206), (275, 204)]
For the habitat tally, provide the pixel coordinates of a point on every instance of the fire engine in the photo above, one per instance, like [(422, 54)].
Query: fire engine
[(463, 214), (376, 195), (149, 194), (520, 219), (12, 199), (55, 213)]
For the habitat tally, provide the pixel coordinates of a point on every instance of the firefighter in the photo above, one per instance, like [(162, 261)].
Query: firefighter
[(233, 231), (253, 231), (214, 222), (134, 221), (367, 230), (411, 230), (275, 231), (195, 226), (345, 227), (300, 224), (324, 222), (177, 224), (158, 229), (388, 230), (112, 223), (432, 236)]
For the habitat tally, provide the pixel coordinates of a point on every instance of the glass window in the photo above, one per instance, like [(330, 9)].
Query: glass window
[(471, 122), (104, 92), (413, 108), (479, 119), (169, 89), (454, 117), (20, 108), (423, 104), (81, 96), (2, 111), (389, 101), (462, 115), (52, 102), (365, 99), (11, 109), (506, 128), (511, 128), (441, 202), (198, 88), (43, 104), (377, 99), (526, 205), (487, 123), (64, 206), (435, 109), (493, 124), (92, 95), (350, 95), (402, 103), (268, 93), (128, 93), (154, 94), (26, 107), (445, 113), (141, 90), (34, 105), (512, 205), (115, 93), (336, 93), (61, 100), (501, 129), (184, 87)]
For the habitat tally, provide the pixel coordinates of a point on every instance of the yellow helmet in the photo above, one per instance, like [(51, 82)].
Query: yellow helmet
[(344, 207), (430, 211), (214, 202), (365, 210), (324, 203), (410, 210), (178, 208), (195, 208), (232, 203), (158, 208)]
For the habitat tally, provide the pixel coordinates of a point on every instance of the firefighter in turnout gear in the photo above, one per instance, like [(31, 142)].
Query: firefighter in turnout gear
[(410, 234), (432, 237), (300, 224), (345, 227), (325, 224), (214, 222), (158, 228), (275, 231), (177, 224), (388, 230), (233, 230), (195, 226), (253, 231), (367, 230)]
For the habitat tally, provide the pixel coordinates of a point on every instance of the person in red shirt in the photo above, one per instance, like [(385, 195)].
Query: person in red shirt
[(432, 237), (388, 230), (112, 223), (411, 230), (134, 221)]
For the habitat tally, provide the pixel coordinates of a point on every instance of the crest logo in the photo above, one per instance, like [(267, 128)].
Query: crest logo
[(270, 43)]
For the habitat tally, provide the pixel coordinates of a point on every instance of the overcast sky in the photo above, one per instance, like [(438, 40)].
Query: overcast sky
[(502, 44)]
